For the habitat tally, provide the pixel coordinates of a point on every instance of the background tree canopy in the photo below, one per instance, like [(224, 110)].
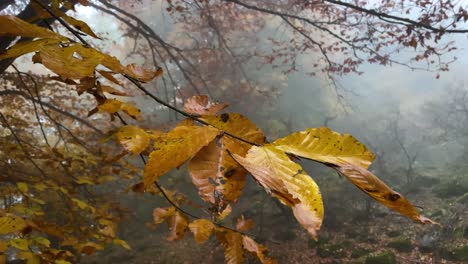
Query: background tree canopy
[(102, 100)]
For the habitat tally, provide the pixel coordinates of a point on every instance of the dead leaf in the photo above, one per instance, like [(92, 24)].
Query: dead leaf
[(232, 245), (178, 224), (201, 229), (244, 224)]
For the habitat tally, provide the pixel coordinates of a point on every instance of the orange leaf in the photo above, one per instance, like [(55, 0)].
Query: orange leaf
[(160, 214), (201, 229), (133, 139)]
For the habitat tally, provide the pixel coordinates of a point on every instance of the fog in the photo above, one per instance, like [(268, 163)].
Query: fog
[(415, 121)]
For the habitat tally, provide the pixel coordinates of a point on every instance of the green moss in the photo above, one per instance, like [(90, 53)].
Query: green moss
[(461, 253), (359, 252), (386, 257), (333, 251), (401, 244), (393, 233)]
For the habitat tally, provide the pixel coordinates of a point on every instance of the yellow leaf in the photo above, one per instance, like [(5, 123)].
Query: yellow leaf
[(174, 148), (42, 241), (40, 186), (25, 47), (287, 181), (23, 187), (200, 105), (84, 180), (113, 105), (122, 243), (19, 243), (232, 245), (375, 188), (133, 139), (327, 146), (13, 26), (11, 223), (82, 205), (258, 250), (201, 229), (160, 214), (78, 24), (178, 224), (61, 261)]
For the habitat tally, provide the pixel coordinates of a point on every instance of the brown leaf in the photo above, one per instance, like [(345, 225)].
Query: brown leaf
[(258, 250), (244, 224), (160, 214), (232, 245), (200, 105), (142, 74), (178, 224), (375, 188)]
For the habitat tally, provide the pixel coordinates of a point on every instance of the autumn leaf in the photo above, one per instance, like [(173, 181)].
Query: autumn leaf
[(200, 105), (326, 146), (13, 26), (160, 214), (19, 243), (25, 47), (122, 243), (112, 106), (288, 182), (111, 90), (232, 245), (244, 224), (133, 139), (375, 188), (256, 249), (10, 223), (201, 229), (76, 23), (142, 74), (174, 148), (178, 224)]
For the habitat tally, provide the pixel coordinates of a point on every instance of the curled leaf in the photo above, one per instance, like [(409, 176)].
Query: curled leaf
[(375, 188), (142, 74), (178, 224)]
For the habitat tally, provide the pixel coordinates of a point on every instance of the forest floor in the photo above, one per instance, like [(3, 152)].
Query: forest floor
[(354, 239)]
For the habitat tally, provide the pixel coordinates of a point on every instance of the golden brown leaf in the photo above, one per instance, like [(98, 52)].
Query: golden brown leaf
[(78, 24), (133, 139), (200, 105), (327, 146), (178, 224), (201, 229), (13, 26), (122, 243), (160, 214), (232, 245), (25, 47), (174, 148), (375, 188), (108, 75), (287, 181), (258, 250), (112, 90), (113, 106)]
